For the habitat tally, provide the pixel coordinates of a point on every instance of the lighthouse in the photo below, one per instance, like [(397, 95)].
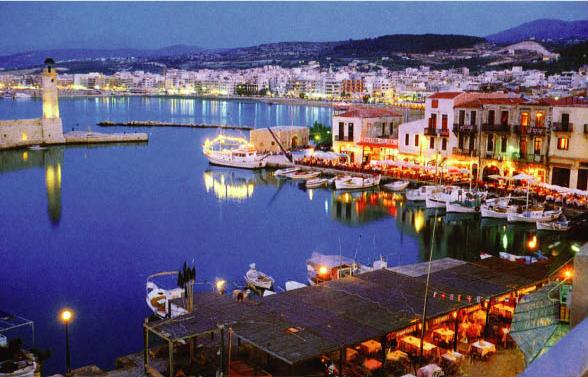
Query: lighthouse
[(50, 122)]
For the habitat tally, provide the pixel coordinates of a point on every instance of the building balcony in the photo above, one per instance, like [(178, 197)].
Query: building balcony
[(430, 131), (536, 158), (562, 127), (586, 129), (489, 127), (443, 132), (464, 152), (343, 138), (526, 130), (465, 128)]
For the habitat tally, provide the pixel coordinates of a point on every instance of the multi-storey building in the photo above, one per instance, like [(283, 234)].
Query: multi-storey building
[(366, 134)]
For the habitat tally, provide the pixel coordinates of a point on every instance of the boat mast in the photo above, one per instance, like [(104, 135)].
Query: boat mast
[(424, 318)]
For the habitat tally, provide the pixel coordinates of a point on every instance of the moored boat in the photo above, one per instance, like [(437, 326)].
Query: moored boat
[(233, 152), (316, 182), (25, 366), (258, 280), (396, 185), (291, 285), (470, 204), (534, 215), (285, 172), (321, 267), (420, 194), (356, 183), (559, 225), (159, 299), (303, 174)]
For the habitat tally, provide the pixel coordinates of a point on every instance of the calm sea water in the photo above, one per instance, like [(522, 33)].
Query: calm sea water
[(82, 227)]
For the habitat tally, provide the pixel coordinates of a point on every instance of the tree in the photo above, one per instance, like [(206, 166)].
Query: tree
[(321, 135)]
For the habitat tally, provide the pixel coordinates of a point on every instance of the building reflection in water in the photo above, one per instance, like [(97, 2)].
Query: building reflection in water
[(355, 208), (229, 185), (51, 160)]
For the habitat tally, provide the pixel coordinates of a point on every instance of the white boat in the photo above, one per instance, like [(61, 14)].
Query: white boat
[(37, 148), (420, 194), (292, 285), (438, 198), (470, 204), (18, 368), (316, 182), (498, 208), (559, 225), (484, 255), (258, 280), (159, 299), (534, 216), (21, 95), (526, 259), (396, 185), (304, 175), (233, 152), (321, 268), (285, 172), (355, 183)]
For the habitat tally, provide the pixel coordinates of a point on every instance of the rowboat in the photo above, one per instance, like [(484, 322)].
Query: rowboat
[(304, 174), (258, 280), (396, 185), (21, 368), (285, 172), (159, 299), (316, 182), (534, 216), (355, 183)]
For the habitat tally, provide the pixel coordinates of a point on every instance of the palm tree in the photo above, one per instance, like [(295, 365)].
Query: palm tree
[(320, 135)]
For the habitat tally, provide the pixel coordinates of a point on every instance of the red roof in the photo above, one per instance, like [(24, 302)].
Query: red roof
[(445, 95), (564, 101), (478, 103), (362, 112)]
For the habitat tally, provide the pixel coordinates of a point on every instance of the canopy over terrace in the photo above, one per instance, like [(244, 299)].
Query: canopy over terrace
[(10, 322)]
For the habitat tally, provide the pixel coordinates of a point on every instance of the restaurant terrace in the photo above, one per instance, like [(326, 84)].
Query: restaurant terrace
[(330, 321)]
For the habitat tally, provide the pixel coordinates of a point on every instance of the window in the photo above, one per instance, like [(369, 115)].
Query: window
[(504, 118), (341, 130), (433, 121), (432, 142), (539, 119), (350, 131), (391, 128), (24, 136), (416, 140), (460, 141), (444, 144), (473, 118), (491, 117), (490, 143), (444, 121), (565, 119), (503, 144), (537, 145), (524, 119), (563, 143), (406, 139), (435, 103), (461, 117)]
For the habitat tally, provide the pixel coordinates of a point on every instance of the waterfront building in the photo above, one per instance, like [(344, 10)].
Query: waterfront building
[(45, 130), (289, 137), (366, 134)]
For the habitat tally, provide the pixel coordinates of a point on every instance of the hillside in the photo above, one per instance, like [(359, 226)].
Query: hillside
[(546, 30)]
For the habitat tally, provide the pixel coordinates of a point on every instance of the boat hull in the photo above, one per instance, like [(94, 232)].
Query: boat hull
[(522, 218), (397, 186), (356, 183), (236, 163), (458, 208)]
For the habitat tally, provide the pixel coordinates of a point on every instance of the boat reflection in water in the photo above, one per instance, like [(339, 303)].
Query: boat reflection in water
[(355, 208), (231, 185), (51, 160)]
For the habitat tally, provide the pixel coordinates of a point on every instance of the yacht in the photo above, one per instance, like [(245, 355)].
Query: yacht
[(233, 152), (356, 183)]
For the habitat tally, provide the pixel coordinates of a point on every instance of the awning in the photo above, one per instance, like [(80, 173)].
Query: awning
[(376, 142)]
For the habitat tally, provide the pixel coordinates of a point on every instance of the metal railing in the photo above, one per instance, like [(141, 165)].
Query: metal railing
[(529, 157), (489, 127), (343, 138), (430, 131), (464, 151), (465, 127), (562, 127), (527, 130)]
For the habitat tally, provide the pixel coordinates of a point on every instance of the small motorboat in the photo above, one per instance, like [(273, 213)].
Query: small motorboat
[(321, 268), (285, 172), (420, 194), (159, 299), (396, 185), (469, 204), (316, 182), (533, 216), (560, 225), (523, 259), (257, 280), (303, 174), (292, 285), (356, 183)]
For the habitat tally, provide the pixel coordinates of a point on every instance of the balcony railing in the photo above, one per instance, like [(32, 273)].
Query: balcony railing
[(430, 131), (494, 155), (464, 152), (343, 138), (443, 132), (466, 128), (526, 130), (489, 127), (562, 127), (586, 129), (538, 158)]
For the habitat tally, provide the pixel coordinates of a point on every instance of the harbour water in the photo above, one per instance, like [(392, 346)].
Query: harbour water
[(82, 226)]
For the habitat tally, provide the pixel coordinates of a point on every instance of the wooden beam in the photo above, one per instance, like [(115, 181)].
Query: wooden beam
[(170, 360), (146, 348)]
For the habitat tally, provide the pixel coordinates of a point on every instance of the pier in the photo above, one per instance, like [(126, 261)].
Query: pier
[(82, 137), (151, 123)]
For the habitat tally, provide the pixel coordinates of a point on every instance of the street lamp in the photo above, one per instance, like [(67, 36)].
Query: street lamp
[(66, 317)]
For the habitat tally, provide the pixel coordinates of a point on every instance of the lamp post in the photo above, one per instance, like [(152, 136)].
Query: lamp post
[(66, 316)]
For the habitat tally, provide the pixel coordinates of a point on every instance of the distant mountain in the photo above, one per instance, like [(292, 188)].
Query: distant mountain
[(34, 58), (545, 30)]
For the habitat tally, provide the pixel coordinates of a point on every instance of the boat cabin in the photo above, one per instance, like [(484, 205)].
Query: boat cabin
[(323, 268)]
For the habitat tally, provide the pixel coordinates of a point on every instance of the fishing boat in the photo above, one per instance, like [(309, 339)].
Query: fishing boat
[(560, 225), (292, 285), (356, 183), (321, 267), (233, 152), (420, 194), (285, 172), (159, 299), (257, 280), (316, 182), (470, 204), (396, 185), (304, 174), (438, 199), (498, 208), (533, 215)]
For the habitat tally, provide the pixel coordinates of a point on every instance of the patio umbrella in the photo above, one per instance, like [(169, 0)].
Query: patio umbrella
[(497, 177), (523, 177)]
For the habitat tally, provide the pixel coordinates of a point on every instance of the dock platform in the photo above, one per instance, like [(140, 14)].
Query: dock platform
[(83, 137), (149, 123)]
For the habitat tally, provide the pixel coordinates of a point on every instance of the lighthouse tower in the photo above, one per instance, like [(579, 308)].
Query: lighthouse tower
[(51, 122)]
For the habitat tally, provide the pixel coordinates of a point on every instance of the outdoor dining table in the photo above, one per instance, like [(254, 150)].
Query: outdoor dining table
[(396, 356), (372, 364), (370, 347), (453, 357), (503, 310), (350, 354), (483, 347), (413, 343), (445, 334)]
